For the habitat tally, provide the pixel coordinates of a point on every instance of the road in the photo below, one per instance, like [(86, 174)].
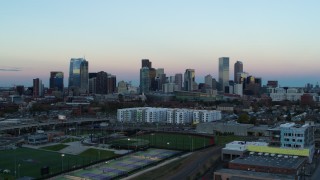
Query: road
[(52, 122), (195, 163)]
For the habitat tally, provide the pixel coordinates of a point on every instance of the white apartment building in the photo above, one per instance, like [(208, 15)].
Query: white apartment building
[(281, 94), (167, 115), (155, 115)]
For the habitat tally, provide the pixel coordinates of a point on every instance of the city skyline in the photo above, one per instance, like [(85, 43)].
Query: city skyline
[(275, 40)]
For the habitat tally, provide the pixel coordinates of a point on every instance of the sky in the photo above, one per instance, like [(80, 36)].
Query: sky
[(275, 40)]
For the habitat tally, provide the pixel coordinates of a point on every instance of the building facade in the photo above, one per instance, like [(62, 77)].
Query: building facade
[(178, 80), (56, 80), (189, 80), (37, 88), (167, 115), (79, 75), (144, 80), (238, 68), (223, 73)]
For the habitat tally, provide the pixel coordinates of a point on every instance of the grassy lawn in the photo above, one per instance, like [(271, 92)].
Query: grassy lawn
[(70, 140), (177, 141), (129, 142), (222, 140), (56, 147), (95, 153), (28, 162)]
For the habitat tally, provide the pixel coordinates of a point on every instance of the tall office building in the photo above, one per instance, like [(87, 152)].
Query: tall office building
[(160, 78), (223, 73), (101, 83), (56, 80), (208, 80), (37, 88), (178, 80), (152, 79), (238, 68), (92, 83), (78, 74), (144, 80), (111, 84), (146, 63), (20, 90), (189, 80)]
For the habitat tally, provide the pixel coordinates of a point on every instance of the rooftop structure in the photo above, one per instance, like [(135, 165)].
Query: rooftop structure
[(233, 174), (269, 163)]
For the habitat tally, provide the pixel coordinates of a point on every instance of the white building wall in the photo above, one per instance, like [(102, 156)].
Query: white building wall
[(238, 89), (149, 115), (280, 94), (196, 116)]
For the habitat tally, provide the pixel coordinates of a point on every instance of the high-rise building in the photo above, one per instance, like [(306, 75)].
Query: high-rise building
[(160, 78), (92, 83), (208, 81), (122, 87), (78, 74), (152, 79), (223, 73), (189, 80), (56, 80), (101, 83), (214, 84), (111, 84), (20, 90), (178, 80), (37, 88), (238, 68), (146, 63), (144, 80)]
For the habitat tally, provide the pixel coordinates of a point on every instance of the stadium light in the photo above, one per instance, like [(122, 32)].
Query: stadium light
[(62, 155)]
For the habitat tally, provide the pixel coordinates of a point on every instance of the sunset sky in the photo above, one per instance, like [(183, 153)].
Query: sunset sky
[(275, 40)]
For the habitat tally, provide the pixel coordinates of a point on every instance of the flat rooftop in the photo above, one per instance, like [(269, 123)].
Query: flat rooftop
[(238, 174), (273, 160)]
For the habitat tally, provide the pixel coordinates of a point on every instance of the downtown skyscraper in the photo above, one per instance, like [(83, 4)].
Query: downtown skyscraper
[(238, 69), (78, 74), (223, 73), (189, 80), (56, 80)]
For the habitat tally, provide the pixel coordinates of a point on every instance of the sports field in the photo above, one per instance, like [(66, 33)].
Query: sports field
[(130, 143), (28, 162), (124, 165), (184, 142)]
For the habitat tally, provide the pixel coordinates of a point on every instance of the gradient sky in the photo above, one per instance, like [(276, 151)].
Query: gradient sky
[(276, 40)]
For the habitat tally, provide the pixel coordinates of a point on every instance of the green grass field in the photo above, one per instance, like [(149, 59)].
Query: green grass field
[(130, 143), (28, 162), (56, 147), (70, 140), (176, 141), (101, 154)]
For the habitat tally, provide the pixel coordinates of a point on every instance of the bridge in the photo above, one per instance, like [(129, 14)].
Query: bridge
[(33, 124)]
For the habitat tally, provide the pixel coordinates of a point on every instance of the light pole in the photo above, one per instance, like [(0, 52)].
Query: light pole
[(168, 143), (128, 144), (62, 155), (152, 139), (204, 142), (18, 170)]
